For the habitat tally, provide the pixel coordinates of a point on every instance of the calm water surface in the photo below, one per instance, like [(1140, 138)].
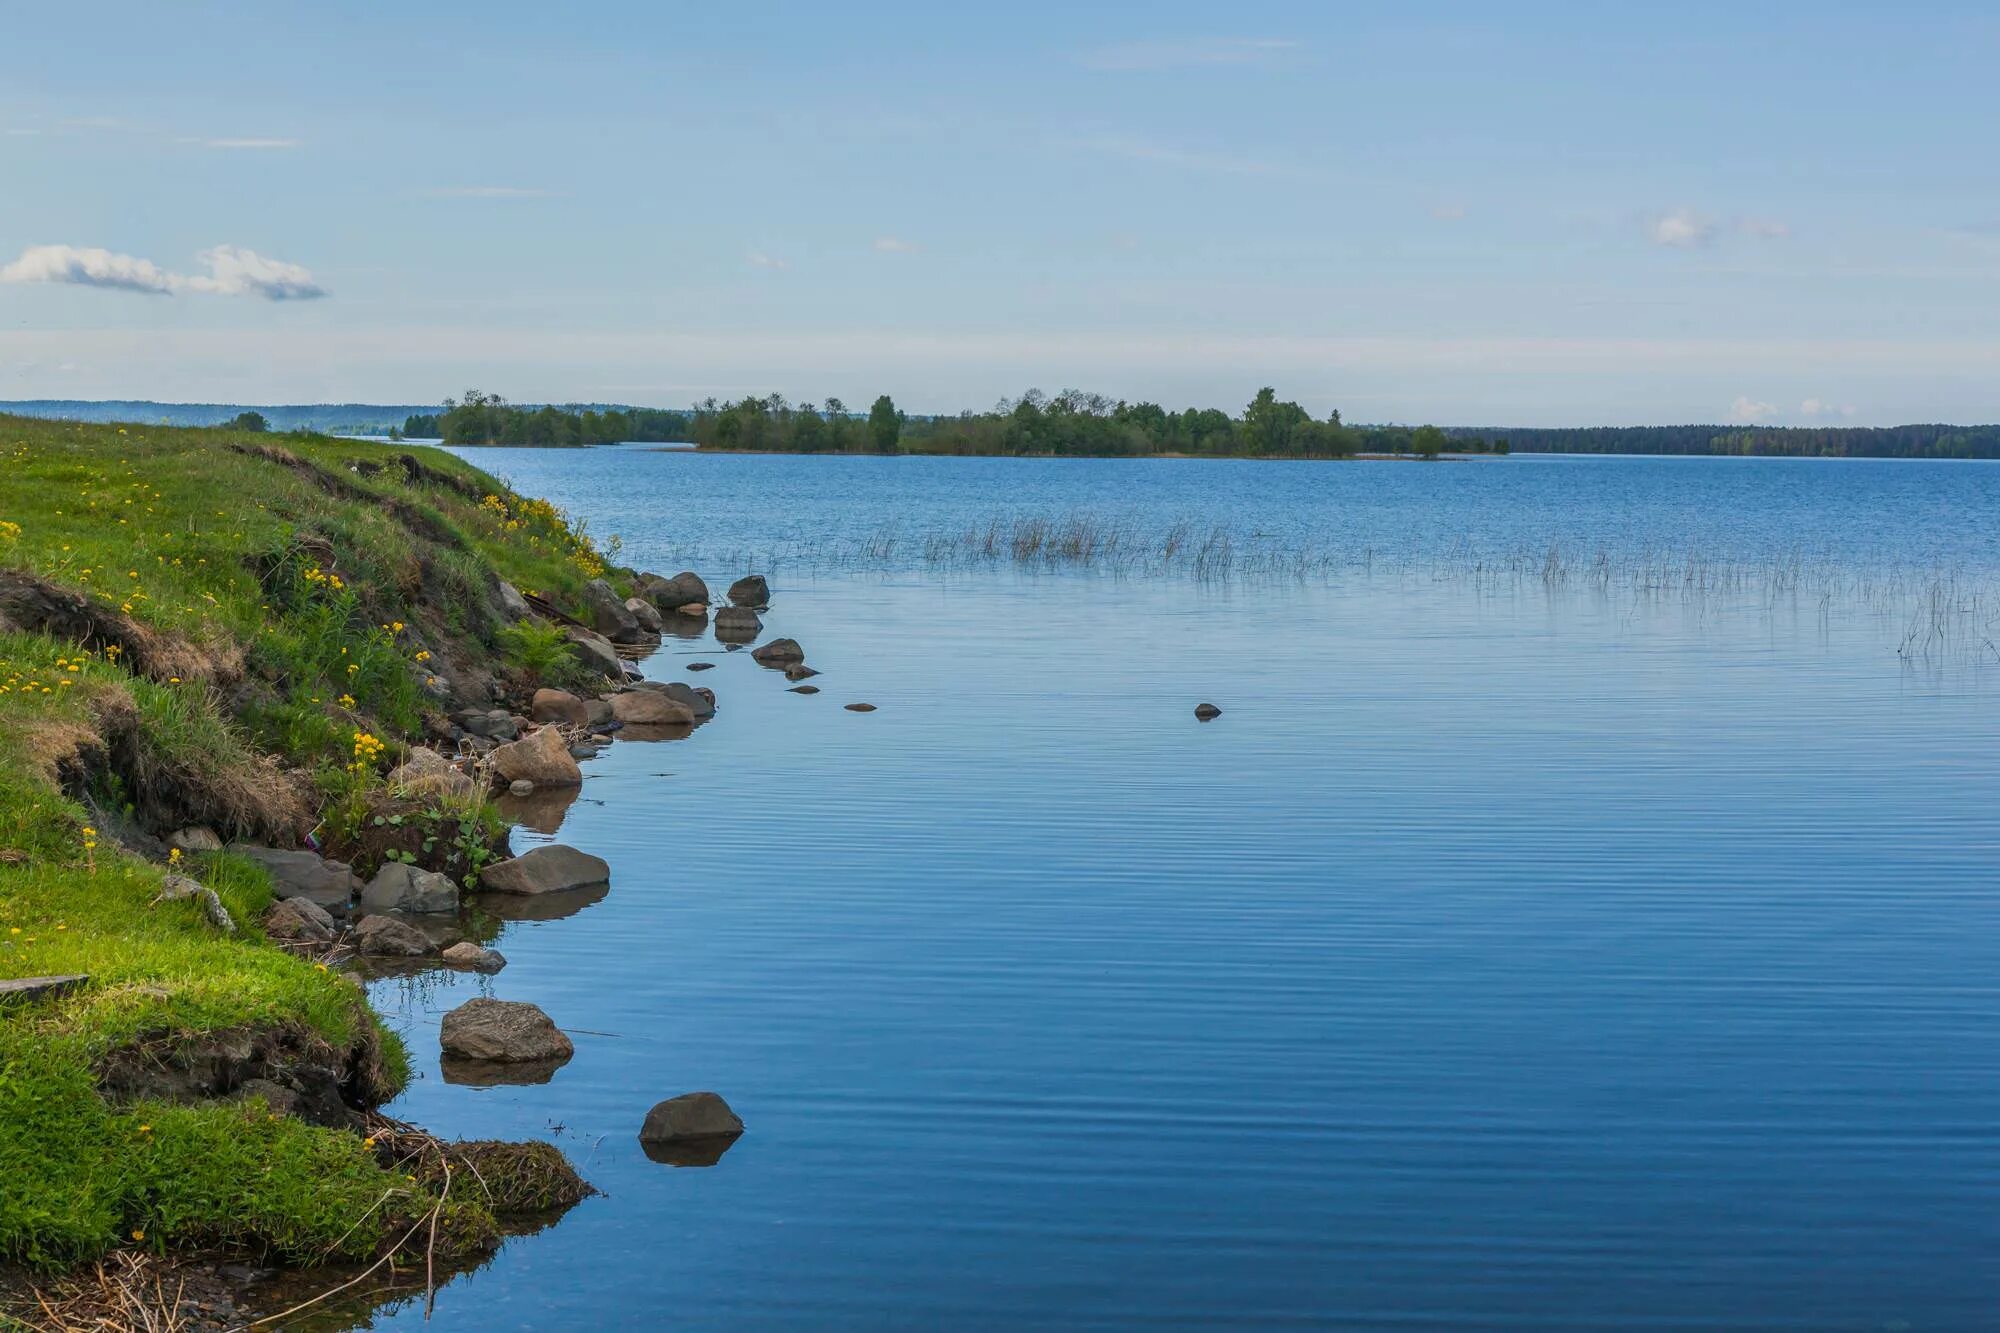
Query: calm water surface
[(1505, 956)]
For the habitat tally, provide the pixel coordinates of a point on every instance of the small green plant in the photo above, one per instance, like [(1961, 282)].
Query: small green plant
[(539, 650)]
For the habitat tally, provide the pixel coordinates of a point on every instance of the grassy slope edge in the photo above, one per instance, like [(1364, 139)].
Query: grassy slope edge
[(211, 627)]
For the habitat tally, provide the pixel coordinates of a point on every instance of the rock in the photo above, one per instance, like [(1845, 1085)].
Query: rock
[(541, 758), (386, 937), (692, 1115), (671, 594), (558, 706), (506, 1031), (177, 888), (608, 614), (1207, 711), (598, 712), (513, 606), (859, 708), (650, 708), (645, 613), (301, 921), (495, 724), (428, 773), (398, 887), (523, 787), (778, 652), (595, 652), (701, 666), (302, 874), (799, 671), (699, 702), (583, 750), (195, 839), (693, 610), (24, 989), (737, 624), (550, 869), (803, 689), (474, 958), (751, 590)]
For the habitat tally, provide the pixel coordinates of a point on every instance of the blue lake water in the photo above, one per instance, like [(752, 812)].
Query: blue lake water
[(1517, 950)]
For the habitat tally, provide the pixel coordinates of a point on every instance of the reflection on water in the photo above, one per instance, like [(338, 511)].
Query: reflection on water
[(688, 1152), (541, 810), (497, 1073), (1502, 957), (540, 906)]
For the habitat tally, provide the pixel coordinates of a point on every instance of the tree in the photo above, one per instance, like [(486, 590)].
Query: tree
[(249, 421), (885, 425), (1427, 443)]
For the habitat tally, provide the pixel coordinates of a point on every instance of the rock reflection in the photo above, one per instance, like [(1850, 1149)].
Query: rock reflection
[(540, 811), (465, 1073), (680, 626), (540, 906), (690, 1152), (656, 731)]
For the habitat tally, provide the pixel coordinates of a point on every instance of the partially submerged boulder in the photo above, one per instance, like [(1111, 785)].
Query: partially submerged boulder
[(672, 594), (690, 1117), (609, 615), (1206, 712), (778, 653), (737, 624), (503, 1031), (398, 887), (474, 957), (750, 590), (542, 758), (650, 708), (386, 937), (645, 613), (550, 869)]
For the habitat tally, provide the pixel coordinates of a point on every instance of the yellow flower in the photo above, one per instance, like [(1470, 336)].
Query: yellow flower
[(138, 1233), (173, 856)]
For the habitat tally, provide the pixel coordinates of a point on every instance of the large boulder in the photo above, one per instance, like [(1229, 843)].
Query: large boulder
[(506, 1031), (608, 614), (301, 874), (493, 724), (669, 594), (428, 773), (398, 887), (474, 957), (778, 653), (299, 921), (542, 758), (737, 624), (692, 1115), (698, 701), (750, 590), (552, 869), (596, 653), (645, 613), (558, 706), (650, 708), (386, 937), (513, 606)]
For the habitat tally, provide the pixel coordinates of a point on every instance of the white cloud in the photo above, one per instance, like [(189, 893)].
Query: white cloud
[(895, 245), (758, 259), (1820, 407), (1746, 408), (1188, 53), (489, 192), (1682, 229), (231, 272)]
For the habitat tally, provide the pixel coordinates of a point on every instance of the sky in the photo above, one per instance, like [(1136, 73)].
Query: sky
[(1473, 214)]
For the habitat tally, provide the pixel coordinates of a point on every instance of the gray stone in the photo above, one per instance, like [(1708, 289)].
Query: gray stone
[(428, 773), (495, 724), (799, 671), (608, 614), (778, 653), (1206, 711), (650, 708), (302, 874), (597, 712), (300, 921), (692, 1115), (513, 606), (645, 613), (596, 653), (804, 689), (541, 758), (558, 706), (737, 624), (550, 869), (474, 958), (750, 590), (398, 887), (859, 708), (696, 700), (386, 937), (523, 787), (193, 840), (21, 990), (504, 1031), (674, 593)]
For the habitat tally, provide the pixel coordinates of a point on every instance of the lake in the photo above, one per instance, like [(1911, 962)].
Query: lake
[(1582, 915)]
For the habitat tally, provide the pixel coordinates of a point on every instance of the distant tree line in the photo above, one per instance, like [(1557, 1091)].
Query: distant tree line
[(482, 418), (1071, 423), (1923, 441)]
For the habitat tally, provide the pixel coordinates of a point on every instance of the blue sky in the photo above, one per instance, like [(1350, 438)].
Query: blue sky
[(1535, 213)]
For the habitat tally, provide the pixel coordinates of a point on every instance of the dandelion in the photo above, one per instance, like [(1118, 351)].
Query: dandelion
[(138, 1233)]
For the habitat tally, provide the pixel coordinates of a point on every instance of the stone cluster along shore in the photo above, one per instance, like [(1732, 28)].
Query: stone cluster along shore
[(406, 916)]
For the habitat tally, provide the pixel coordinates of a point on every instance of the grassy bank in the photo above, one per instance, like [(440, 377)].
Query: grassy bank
[(201, 627)]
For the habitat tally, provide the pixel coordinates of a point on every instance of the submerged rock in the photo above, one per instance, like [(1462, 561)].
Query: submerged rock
[(546, 870), (1207, 711), (542, 758), (398, 887), (701, 666), (750, 590), (799, 671), (690, 1116), (803, 689), (474, 957), (778, 653), (859, 708), (737, 624), (502, 1031), (386, 937)]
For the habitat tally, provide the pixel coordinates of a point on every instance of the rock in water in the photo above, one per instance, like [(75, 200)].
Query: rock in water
[(609, 615), (799, 671), (645, 613), (386, 937), (692, 1115), (474, 957), (859, 708), (778, 652), (737, 624), (650, 708), (751, 590), (502, 1030), (558, 706), (672, 594), (546, 870), (1205, 712), (398, 887), (595, 651), (701, 666), (542, 758), (804, 689)]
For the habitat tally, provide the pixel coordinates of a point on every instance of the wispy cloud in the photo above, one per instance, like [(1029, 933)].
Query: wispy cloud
[(1188, 53), (1820, 407), (758, 259), (1682, 229), (895, 245), (1173, 155), (21, 133), (231, 272), (1746, 408), (489, 192)]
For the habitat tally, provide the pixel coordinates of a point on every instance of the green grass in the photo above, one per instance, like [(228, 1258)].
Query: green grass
[(305, 594)]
